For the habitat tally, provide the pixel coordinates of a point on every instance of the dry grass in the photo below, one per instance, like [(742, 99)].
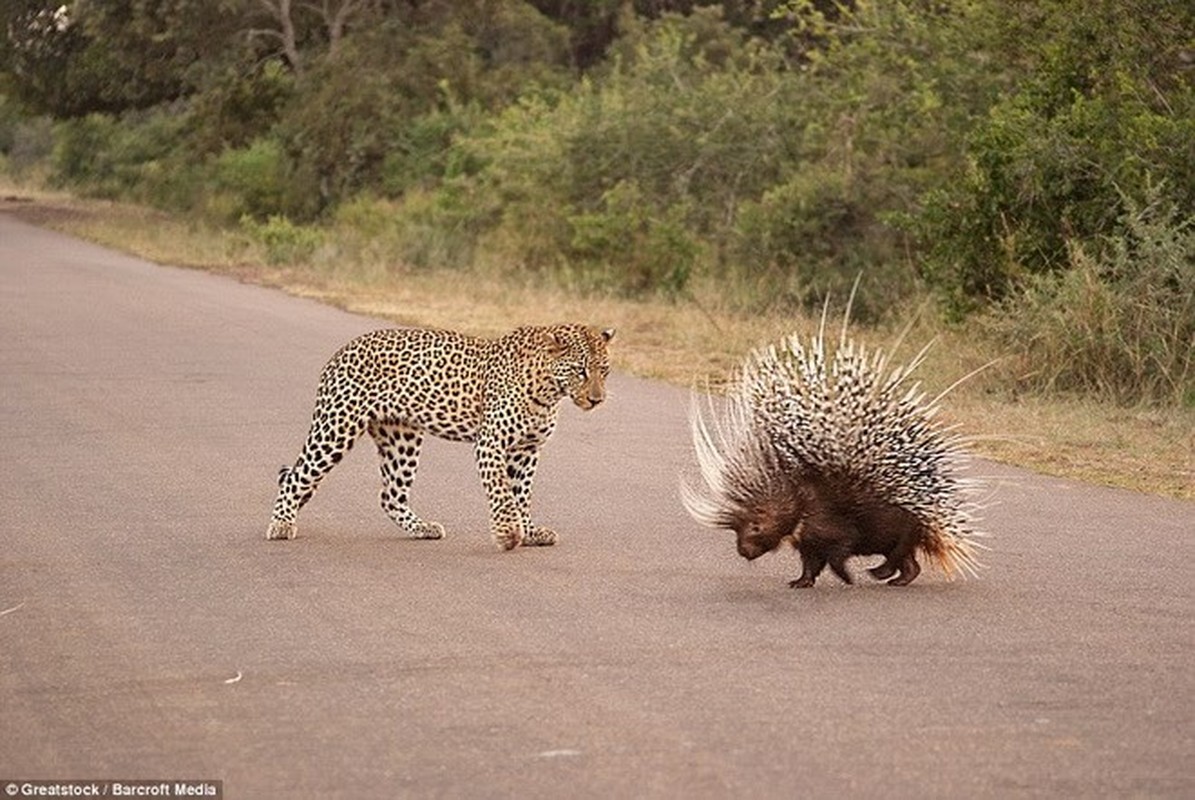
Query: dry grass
[(1145, 450)]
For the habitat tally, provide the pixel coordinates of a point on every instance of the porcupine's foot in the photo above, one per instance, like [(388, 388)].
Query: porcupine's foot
[(838, 567), (909, 569), (540, 537), (812, 563)]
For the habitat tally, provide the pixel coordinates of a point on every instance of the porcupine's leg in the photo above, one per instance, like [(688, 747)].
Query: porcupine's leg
[(812, 563), (840, 537), (816, 552), (908, 568), (893, 560), (900, 558), (826, 538), (838, 566)]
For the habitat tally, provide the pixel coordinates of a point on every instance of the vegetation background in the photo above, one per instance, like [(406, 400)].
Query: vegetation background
[(1017, 177)]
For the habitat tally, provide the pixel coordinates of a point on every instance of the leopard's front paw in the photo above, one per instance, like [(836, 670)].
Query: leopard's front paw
[(540, 537), (281, 530), (508, 537)]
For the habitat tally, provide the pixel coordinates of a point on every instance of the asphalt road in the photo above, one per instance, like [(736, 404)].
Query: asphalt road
[(148, 629)]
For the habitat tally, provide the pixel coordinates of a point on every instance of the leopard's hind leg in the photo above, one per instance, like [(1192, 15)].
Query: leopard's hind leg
[(331, 436), (398, 449)]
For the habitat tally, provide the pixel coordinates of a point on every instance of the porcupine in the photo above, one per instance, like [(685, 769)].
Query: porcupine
[(834, 453)]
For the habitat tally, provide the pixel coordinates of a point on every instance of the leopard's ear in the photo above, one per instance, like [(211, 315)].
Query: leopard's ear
[(604, 334), (555, 342)]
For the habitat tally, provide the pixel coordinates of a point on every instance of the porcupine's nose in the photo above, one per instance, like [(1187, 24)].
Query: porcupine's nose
[(750, 550)]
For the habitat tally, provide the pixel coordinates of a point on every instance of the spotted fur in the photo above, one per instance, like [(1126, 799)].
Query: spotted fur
[(501, 395)]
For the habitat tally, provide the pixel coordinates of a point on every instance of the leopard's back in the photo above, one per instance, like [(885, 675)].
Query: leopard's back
[(432, 380)]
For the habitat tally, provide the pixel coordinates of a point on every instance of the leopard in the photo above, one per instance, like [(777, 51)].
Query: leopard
[(399, 385)]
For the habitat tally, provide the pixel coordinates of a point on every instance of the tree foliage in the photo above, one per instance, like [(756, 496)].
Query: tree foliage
[(774, 148), (72, 59), (1103, 112)]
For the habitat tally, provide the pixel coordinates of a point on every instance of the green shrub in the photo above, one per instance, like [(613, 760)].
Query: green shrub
[(422, 153), (777, 180), (631, 178), (1119, 323), (1101, 117), (256, 177), (9, 119), (809, 237), (627, 246), (442, 228), (284, 242), (174, 183), (83, 154), (133, 157), (238, 106), (366, 217), (377, 234), (31, 144)]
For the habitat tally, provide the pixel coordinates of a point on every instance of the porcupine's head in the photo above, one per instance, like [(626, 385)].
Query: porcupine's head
[(742, 487)]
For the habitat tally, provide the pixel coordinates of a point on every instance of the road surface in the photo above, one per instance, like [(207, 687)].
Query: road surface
[(148, 630)]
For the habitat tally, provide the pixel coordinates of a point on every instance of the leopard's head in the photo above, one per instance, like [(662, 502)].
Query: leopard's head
[(579, 362)]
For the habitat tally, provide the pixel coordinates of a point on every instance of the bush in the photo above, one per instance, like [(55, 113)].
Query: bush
[(259, 181), (442, 228), (285, 242), (1050, 164), (378, 113), (811, 236), (30, 145), (704, 141), (9, 119), (339, 124), (132, 157), (83, 151), (616, 182), (422, 153), (422, 230), (1119, 322), (1038, 184), (238, 106), (628, 247)]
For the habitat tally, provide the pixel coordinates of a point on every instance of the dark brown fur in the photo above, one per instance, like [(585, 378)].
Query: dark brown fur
[(830, 521)]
